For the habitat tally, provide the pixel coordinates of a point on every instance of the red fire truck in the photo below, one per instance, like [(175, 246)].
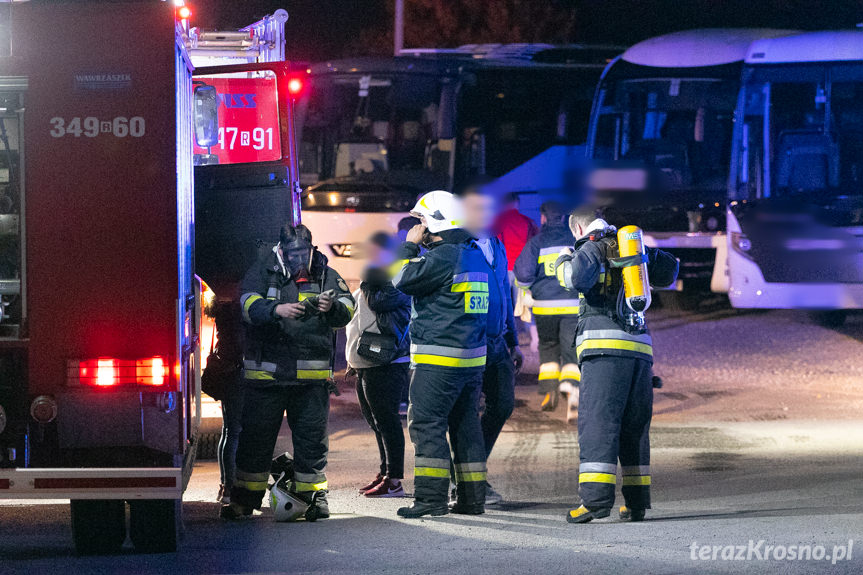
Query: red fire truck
[(101, 123)]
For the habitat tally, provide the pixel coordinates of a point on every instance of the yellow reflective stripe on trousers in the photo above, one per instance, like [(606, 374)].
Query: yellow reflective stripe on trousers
[(251, 481), (443, 361), (644, 348), (314, 374), (431, 472), (630, 480), (251, 485), (470, 475), (302, 486), (597, 478), (258, 375)]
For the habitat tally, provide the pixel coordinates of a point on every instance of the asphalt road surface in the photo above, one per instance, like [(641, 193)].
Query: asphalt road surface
[(757, 458)]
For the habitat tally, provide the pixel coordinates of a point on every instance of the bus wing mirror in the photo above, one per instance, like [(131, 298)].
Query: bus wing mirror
[(206, 116)]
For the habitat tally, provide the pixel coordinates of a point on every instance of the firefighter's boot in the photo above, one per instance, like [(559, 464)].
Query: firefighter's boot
[(630, 515), (585, 515), (421, 508)]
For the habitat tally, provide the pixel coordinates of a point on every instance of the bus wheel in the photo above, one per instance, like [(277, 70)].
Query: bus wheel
[(832, 318), (98, 526), (208, 446), (155, 525)]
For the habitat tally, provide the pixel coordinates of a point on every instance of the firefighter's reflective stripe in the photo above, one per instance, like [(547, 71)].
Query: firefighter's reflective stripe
[(313, 369), (260, 366), (613, 340), (444, 356), (431, 467), (555, 307), (309, 482), (470, 471), (273, 293), (570, 372), (597, 478), (302, 296), (470, 281), (547, 257), (258, 375), (550, 370), (251, 481), (246, 300), (597, 467), (636, 475)]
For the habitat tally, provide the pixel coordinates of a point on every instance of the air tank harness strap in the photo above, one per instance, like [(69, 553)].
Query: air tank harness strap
[(628, 261)]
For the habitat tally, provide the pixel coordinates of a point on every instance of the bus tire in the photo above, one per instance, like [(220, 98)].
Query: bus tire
[(155, 525), (98, 526), (208, 445), (831, 318)]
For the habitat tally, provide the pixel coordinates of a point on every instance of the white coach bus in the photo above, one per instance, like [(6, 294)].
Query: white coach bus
[(795, 212)]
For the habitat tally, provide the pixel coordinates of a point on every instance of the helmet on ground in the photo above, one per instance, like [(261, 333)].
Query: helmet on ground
[(286, 505), (439, 211)]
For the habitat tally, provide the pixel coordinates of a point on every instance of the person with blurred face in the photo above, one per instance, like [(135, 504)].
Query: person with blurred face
[(554, 307), (503, 357), (381, 309)]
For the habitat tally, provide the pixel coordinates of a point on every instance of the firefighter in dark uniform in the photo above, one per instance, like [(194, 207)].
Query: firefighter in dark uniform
[(616, 357), (292, 302), (555, 308), (449, 287)]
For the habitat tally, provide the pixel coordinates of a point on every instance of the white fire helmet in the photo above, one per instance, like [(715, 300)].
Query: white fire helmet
[(439, 211), (286, 506)]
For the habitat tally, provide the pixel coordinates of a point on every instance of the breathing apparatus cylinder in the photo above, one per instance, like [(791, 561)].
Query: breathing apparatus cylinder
[(636, 285)]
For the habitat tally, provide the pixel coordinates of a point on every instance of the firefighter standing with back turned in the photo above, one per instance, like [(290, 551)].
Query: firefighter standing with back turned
[(449, 286), (555, 308), (611, 270), (292, 301)]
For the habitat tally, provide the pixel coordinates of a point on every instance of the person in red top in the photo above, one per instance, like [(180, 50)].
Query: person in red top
[(514, 229)]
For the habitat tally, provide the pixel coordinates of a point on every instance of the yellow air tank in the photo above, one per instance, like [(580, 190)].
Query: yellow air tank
[(636, 286)]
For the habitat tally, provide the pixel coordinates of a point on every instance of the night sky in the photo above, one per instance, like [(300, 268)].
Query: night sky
[(322, 29)]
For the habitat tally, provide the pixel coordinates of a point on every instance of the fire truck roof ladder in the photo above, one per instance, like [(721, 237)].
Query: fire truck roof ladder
[(263, 41)]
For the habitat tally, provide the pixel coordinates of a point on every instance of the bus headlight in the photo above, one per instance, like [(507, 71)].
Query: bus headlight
[(741, 244)]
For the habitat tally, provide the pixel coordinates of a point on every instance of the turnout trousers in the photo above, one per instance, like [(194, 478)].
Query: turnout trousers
[(307, 408), (444, 399), (614, 415), (557, 356), (498, 386)]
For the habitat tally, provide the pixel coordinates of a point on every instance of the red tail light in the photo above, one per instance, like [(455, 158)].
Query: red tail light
[(295, 86), (106, 373)]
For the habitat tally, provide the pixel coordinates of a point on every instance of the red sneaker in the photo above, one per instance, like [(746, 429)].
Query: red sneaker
[(373, 484), (387, 488)]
